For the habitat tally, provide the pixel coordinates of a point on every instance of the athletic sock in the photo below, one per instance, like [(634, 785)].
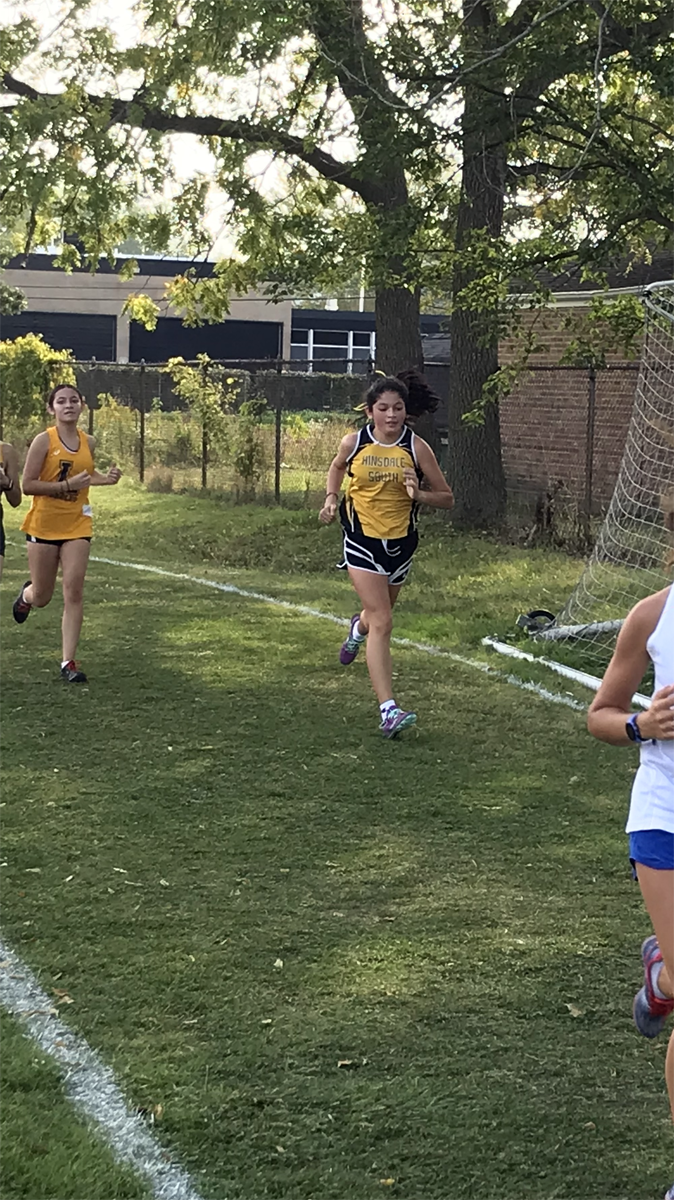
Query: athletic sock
[(357, 635), (386, 707), (65, 662), (655, 974)]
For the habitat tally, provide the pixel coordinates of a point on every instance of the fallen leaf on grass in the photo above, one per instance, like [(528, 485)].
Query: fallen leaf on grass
[(574, 1011), (151, 1112), (266, 1021), (347, 1063), (278, 965), (164, 882), (387, 1182), (64, 998), (589, 1125), (281, 1149)]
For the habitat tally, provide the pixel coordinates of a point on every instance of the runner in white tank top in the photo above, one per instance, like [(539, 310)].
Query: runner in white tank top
[(647, 636)]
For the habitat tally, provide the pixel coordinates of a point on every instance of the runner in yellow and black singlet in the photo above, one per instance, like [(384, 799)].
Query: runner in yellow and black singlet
[(58, 473), (389, 472)]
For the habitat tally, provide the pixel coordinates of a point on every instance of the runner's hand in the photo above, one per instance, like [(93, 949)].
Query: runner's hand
[(658, 720), (328, 512), (411, 483), (4, 480), (76, 482), (114, 474)]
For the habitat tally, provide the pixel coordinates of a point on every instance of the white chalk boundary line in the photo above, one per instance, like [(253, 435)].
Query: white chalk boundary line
[(525, 685), (89, 1083)]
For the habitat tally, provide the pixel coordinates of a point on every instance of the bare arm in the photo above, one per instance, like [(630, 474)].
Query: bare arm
[(9, 476), (97, 479), (611, 706), (335, 479), (438, 494)]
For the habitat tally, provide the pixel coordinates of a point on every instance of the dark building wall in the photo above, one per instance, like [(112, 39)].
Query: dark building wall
[(322, 318), (86, 335), (237, 340)]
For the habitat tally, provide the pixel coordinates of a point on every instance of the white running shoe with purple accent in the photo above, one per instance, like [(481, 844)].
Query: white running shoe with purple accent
[(670, 1193), (352, 645), (395, 721)]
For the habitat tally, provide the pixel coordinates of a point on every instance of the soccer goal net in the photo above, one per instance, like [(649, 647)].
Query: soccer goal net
[(629, 560)]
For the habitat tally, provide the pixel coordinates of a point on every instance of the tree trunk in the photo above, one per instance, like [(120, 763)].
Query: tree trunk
[(475, 468), (398, 334)]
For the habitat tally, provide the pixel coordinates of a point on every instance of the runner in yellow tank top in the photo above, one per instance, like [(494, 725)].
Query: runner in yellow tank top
[(385, 464), (10, 488), (58, 473)]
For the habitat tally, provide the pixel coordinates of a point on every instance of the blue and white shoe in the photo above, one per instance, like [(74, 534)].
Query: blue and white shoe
[(670, 1193), (395, 721)]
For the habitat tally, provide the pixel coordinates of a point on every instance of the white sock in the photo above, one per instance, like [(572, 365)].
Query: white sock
[(655, 974), (357, 635), (386, 707), (65, 662)]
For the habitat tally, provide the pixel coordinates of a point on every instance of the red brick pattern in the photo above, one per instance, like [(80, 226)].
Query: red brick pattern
[(544, 423), (544, 427)]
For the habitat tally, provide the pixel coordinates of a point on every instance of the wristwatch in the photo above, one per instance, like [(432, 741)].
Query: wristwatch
[(632, 729)]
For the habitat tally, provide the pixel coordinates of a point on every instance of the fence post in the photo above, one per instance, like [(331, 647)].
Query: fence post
[(141, 448), (204, 433), (278, 433), (92, 368), (589, 449)]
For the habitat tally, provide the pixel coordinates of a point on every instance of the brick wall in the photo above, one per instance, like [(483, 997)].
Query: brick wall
[(544, 423), (544, 427)]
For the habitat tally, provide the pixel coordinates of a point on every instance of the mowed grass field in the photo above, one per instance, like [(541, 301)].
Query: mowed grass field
[(332, 966)]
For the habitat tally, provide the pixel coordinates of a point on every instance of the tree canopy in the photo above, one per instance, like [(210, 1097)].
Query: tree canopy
[(429, 149)]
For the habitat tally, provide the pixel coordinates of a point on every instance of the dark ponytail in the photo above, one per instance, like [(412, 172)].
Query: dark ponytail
[(421, 398), (412, 388)]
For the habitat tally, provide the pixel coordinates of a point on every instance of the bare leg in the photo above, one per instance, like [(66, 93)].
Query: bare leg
[(43, 563), (376, 620), (393, 593), (657, 889), (74, 560)]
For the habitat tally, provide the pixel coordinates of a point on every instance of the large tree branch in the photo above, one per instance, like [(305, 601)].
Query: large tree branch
[(135, 114), (625, 36)]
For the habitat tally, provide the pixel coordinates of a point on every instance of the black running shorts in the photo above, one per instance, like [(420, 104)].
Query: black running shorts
[(380, 556)]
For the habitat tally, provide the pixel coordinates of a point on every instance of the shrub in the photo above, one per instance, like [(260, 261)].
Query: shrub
[(159, 479)]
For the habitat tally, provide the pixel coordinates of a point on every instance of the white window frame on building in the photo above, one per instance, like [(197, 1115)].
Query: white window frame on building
[(359, 344)]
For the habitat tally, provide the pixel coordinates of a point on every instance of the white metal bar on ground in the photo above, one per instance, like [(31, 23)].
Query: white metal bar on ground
[(582, 677), (561, 632)]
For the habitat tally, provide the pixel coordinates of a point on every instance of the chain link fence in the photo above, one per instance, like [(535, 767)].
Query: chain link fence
[(274, 439), (563, 433)]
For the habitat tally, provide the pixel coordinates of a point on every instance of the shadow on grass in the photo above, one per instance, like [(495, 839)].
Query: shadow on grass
[(242, 886)]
